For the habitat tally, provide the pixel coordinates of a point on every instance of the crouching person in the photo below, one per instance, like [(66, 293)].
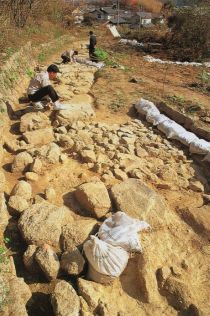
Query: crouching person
[(69, 56), (40, 87)]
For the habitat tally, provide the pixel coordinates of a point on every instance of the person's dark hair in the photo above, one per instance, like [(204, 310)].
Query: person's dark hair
[(76, 52), (91, 32), (53, 68)]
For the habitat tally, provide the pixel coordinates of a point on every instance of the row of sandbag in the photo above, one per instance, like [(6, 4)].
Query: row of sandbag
[(172, 129), (186, 63), (108, 251), (98, 65), (134, 43)]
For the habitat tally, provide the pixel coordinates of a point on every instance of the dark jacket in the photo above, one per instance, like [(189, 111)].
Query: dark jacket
[(93, 40)]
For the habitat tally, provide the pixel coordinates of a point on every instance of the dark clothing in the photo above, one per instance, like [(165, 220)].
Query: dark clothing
[(65, 59), (92, 53), (93, 40), (43, 92), (92, 45)]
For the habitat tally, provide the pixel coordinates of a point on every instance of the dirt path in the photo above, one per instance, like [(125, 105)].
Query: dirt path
[(117, 139)]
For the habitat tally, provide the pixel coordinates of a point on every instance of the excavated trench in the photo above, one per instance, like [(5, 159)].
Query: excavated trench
[(164, 166)]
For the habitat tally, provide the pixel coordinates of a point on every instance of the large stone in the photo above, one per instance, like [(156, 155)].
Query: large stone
[(49, 153), (75, 113), (76, 233), (39, 137), (94, 198), (72, 262), (48, 261), (21, 162), (133, 197), (22, 189), (19, 295), (65, 300), (41, 223), (34, 121), (18, 204)]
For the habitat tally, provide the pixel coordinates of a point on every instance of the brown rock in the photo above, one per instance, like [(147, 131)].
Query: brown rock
[(65, 300), (47, 261), (34, 121), (39, 137), (22, 189), (94, 198), (72, 262), (21, 162)]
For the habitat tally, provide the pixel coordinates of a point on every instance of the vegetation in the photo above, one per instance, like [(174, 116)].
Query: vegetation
[(31, 20), (190, 33), (4, 290)]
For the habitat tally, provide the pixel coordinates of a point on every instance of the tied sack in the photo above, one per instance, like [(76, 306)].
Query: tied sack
[(104, 258), (144, 107), (122, 230)]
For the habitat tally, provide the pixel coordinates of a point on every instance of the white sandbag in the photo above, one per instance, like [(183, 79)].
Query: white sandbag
[(144, 107), (105, 258), (95, 276), (186, 138), (200, 147), (122, 230), (171, 129), (156, 119)]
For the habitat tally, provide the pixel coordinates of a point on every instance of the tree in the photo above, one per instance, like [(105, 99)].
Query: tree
[(190, 32)]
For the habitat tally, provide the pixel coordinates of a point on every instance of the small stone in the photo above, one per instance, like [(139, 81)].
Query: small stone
[(72, 262), (48, 261), (63, 158), (50, 194), (21, 162), (22, 189), (32, 176), (62, 130), (120, 175), (88, 156), (206, 198), (29, 259), (36, 166), (196, 186)]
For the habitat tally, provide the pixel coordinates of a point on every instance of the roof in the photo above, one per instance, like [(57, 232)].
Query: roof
[(108, 10), (121, 21), (144, 15)]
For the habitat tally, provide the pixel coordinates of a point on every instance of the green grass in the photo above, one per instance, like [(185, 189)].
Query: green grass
[(4, 268), (42, 57), (29, 73)]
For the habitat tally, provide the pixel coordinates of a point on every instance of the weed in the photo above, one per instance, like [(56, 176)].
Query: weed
[(10, 51), (41, 57), (4, 260), (29, 72), (176, 99)]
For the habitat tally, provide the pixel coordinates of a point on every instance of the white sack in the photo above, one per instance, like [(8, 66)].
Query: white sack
[(171, 129), (122, 230), (156, 119), (186, 138), (144, 107), (200, 146), (105, 258)]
